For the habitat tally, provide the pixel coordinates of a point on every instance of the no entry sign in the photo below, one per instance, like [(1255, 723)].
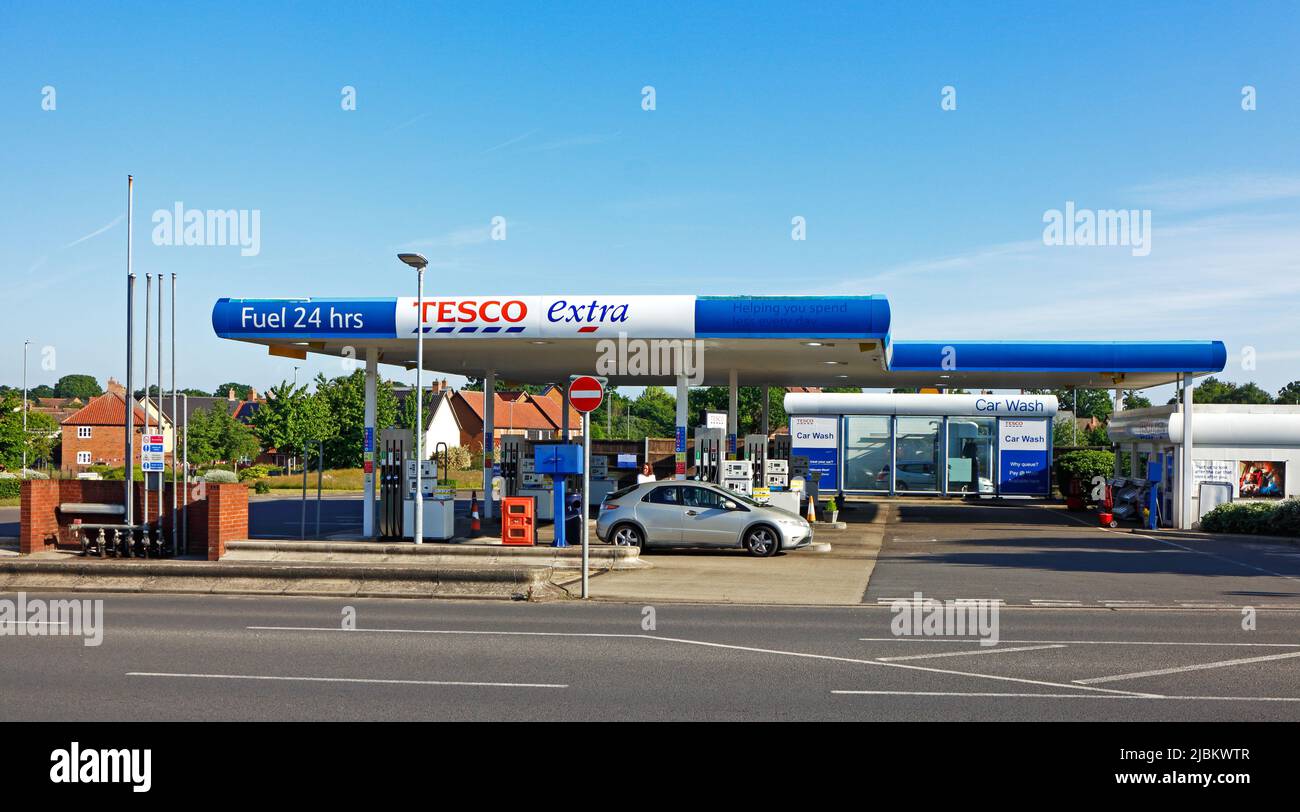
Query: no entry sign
[(585, 393)]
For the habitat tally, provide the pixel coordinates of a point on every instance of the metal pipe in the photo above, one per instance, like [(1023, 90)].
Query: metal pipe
[(144, 435), (175, 543), (185, 503), (320, 474), (23, 473), (128, 480), (161, 432), (302, 523)]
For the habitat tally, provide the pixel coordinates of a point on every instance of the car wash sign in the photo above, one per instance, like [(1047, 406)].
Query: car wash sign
[(818, 439), (1022, 456)]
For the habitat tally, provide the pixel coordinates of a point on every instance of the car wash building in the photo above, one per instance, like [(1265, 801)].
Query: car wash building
[(738, 341), (996, 445)]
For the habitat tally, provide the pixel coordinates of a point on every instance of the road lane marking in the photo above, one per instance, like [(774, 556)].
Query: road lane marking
[(705, 643), (1071, 642), (986, 650), (349, 679), (965, 694), (1180, 547), (1181, 669)]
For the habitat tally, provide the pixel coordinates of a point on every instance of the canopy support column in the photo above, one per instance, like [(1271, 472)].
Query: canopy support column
[(765, 412), (368, 444), (489, 433), (683, 393), (1185, 518), (733, 380)]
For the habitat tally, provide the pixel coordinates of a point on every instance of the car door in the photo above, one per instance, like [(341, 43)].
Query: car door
[(706, 522), (660, 512)]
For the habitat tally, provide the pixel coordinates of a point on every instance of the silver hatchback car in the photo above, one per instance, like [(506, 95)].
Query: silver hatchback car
[(683, 513)]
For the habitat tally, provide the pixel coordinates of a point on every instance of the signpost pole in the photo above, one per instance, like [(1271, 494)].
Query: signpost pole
[(586, 486)]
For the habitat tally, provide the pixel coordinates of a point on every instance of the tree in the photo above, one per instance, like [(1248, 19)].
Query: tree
[(1213, 390), (78, 386), (40, 440), (344, 399), (1289, 394), (289, 417), (242, 390), (1132, 400), (1092, 402), (216, 436)]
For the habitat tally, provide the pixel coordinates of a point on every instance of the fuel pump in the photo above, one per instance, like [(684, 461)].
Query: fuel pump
[(710, 451)]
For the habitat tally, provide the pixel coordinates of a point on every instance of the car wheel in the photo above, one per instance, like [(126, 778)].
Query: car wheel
[(627, 535), (762, 541), (900, 486)]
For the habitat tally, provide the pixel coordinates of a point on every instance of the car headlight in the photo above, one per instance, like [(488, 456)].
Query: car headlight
[(797, 523)]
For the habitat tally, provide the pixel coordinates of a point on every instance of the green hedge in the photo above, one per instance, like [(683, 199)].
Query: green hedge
[(1255, 518), (10, 488)]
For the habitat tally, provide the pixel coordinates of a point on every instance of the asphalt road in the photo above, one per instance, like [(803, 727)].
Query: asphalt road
[(1030, 555), (228, 658)]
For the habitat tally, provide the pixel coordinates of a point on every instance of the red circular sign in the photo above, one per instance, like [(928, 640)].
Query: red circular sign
[(585, 393)]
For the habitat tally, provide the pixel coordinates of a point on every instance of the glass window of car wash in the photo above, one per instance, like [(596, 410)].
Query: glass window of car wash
[(927, 444)]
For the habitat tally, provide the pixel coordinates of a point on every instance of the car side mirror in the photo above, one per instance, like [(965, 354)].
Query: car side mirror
[(730, 505)]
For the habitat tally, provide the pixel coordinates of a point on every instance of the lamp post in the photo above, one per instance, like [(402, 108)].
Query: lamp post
[(23, 475), (419, 263)]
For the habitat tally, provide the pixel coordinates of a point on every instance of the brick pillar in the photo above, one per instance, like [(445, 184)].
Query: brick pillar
[(227, 516), (38, 522)]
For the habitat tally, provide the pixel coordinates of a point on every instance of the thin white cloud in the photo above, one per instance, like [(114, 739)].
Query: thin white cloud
[(460, 238), (1215, 191), (94, 233), (509, 142)]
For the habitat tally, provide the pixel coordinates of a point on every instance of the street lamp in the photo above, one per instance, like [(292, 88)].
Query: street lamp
[(23, 475), (419, 263)]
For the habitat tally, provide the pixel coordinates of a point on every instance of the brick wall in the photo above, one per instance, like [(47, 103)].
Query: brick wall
[(218, 512), (227, 516)]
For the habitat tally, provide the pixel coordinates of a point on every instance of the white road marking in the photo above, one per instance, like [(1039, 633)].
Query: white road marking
[(1181, 669), (1179, 546), (350, 679), (1049, 602), (705, 643), (1070, 642), (1071, 696), (986, 650)]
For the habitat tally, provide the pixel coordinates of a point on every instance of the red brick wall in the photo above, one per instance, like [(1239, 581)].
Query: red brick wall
[(38, 525), (227, 516), (212, 521)]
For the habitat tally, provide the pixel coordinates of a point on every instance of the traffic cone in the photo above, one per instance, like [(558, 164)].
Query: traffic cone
[(812, 509), (475, 526)]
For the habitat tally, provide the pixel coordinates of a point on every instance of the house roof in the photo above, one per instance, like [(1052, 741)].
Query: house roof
[(555, 411), (512, 410), (105, 410)]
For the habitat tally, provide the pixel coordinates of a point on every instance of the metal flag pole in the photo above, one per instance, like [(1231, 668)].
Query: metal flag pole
[(185, 452), (175, 547), (128, 481), (160, 411), (144, 437)]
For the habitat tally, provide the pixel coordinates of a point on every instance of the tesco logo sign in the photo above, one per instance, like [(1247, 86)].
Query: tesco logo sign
[(490, 311)]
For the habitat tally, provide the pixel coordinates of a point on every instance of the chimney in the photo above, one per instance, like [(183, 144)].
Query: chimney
[(115, 388), (252, 394), (230, 394)]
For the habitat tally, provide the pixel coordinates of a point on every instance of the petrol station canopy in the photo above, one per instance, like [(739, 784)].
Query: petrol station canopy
[(778, 340)]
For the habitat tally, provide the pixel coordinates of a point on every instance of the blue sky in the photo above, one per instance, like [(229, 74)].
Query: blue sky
[(763, 112)]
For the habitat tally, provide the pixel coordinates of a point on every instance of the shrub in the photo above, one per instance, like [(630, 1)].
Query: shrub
[(254, 472), (261, 486), (220, 475), (1240, 517), (1285, 520), (10, 487), (1084, 466)]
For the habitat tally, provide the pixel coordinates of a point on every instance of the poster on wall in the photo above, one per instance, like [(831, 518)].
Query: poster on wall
[(818, 439), (1022, 456), (1258, 479)]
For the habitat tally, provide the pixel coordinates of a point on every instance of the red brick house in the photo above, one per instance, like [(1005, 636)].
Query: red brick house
[(95, 434)]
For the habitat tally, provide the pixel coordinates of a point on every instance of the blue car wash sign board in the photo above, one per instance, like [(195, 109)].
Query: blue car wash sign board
[(1022, 456), (818, 439)]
